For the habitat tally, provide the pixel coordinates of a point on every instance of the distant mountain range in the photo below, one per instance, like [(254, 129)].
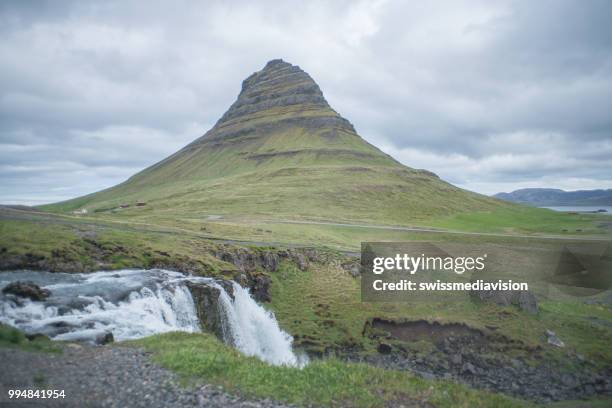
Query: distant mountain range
[(556, 197)]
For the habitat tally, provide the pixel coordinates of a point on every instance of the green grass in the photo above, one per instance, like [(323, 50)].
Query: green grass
[(13, 338), (372, 194), (325, 383), (70, 245), (322, 309), (523, 219), (584, 327), (597, 402)]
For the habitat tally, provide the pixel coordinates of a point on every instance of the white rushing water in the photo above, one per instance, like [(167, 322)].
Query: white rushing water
[(255, 331), (133, 304)]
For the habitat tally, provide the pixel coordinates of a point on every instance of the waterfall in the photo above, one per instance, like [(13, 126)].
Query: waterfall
[(254, 330), (132, 304)]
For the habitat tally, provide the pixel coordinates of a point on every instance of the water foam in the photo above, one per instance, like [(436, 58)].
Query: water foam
[(255, 331)]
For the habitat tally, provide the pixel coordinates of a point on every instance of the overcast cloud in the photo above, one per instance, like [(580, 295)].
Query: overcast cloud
[(492, 96)]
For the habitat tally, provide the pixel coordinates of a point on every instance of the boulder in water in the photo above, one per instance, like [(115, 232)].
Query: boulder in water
[(26, 289), (104, 338), (208, 306), (36, 336)]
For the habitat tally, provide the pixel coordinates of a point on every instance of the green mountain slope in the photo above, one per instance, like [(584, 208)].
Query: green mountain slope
[(282, 152)]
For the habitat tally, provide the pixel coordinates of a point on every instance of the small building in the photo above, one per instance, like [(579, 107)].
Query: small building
[(141, 204)]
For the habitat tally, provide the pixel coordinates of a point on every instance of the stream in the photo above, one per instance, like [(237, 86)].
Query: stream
[(132, 304)]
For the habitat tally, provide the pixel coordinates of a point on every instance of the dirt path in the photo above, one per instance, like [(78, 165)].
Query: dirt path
[(107, 376), (443, 231)]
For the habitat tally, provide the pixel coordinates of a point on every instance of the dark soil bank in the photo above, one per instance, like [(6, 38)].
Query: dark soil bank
[(484, 360), (106, 377)]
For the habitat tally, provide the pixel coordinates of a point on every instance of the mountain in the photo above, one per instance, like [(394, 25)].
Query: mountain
[(556, 197), (282, 152)]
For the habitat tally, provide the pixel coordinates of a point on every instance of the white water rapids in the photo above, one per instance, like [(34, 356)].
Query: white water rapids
[(133, 304)]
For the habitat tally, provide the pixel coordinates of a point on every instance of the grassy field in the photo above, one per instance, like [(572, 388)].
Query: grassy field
[(523, 219), (510, 222), (65, 245), (323, 383)]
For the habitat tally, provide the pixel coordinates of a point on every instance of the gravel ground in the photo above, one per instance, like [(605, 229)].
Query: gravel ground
[(106, 377)]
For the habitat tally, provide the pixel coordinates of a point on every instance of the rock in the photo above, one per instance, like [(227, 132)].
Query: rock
[(36, 336), (27, 290), (456, 359), (269, 261), (58, 327), (301, 260), (354, 268), (208, 308), (384, 348), (105, 338), (247, 260), (75, 346), (240, 258), (568, 380), (260, 287), (553, 339), (515, 363), (589, 389), (427, 375), (279, 84), (468, 368), (242, 279), (525, 300), (228, 286)]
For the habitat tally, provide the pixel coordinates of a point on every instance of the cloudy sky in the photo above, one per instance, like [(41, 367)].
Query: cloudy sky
[(492, 96)]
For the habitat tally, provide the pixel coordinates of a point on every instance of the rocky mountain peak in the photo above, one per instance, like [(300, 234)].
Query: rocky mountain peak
[(278, 85)]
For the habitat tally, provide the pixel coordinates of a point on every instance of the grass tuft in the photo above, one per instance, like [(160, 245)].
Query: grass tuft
[(13, 338)]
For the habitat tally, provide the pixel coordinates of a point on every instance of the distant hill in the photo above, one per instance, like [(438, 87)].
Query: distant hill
[(556, 197), (282, 152)]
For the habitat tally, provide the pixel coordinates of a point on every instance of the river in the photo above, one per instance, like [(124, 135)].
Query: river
[(581, 209), (132, 304)]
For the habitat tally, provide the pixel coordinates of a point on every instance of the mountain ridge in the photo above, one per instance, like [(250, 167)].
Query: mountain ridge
[(558, 197)]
